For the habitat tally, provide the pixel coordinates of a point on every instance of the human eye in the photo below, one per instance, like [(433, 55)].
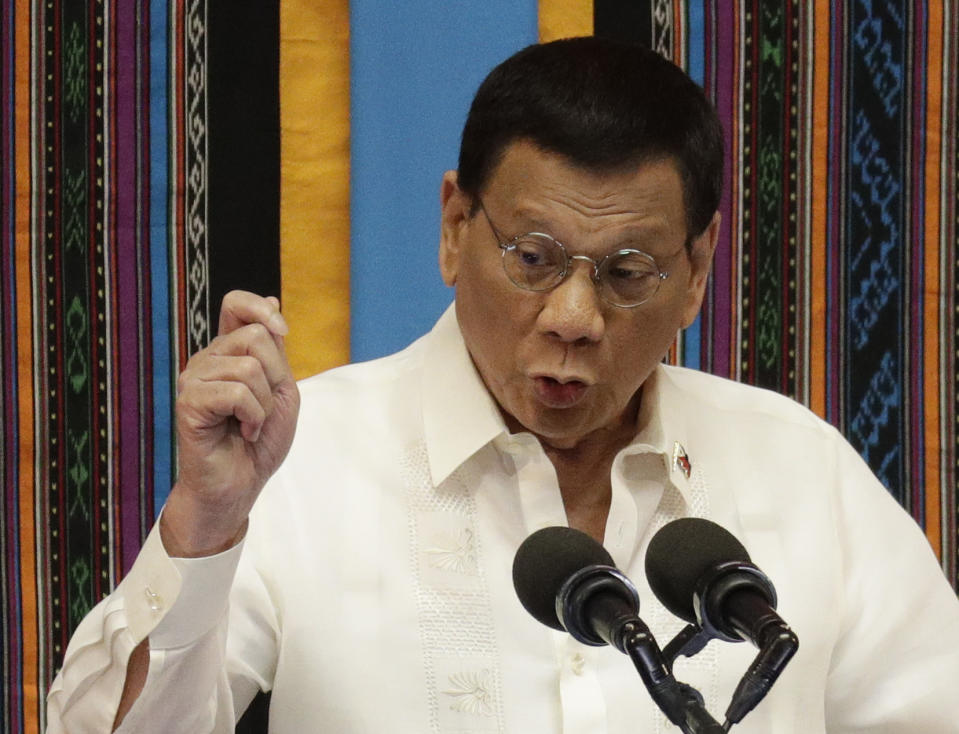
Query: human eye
[(629, 278), (534, 262), (535, 254), (627, 273), (631, 267)]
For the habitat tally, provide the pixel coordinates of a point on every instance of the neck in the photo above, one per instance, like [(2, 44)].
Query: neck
[(583, 474), (583, 468)]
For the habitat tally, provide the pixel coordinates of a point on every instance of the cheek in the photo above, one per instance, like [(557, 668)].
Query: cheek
[(645, 343), (669, 314), (479, 298), (487, 314)]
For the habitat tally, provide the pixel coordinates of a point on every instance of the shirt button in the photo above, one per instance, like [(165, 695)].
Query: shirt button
[(154, 600), (577, 663)]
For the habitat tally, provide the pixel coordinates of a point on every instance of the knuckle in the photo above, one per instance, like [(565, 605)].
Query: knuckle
[(237, 392), (249, 368), (257, 331), (245, 364), (232, 298), (183, 382)]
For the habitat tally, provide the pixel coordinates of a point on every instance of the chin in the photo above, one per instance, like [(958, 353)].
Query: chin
[(562, 431)]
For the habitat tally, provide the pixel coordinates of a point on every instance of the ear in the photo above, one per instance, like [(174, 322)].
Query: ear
[(701, 263), (454, 216)]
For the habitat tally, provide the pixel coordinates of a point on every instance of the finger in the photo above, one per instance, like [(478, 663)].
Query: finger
[(256, 341), (243, 368), (205, 405), (278, 337), (240, 308)]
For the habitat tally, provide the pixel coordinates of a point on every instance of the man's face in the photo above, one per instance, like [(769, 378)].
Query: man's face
[(564, 364)]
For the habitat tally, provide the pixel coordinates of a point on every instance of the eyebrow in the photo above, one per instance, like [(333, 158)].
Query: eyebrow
[(638, 236), (533, 218)]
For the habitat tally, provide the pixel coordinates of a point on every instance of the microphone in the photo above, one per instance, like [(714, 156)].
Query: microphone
[(702, 574), (567, 581)]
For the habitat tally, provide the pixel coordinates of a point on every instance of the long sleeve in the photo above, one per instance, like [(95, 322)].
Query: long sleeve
[(181, 606), (895, 667)]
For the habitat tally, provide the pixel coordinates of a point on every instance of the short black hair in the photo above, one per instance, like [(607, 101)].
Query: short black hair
[(604, 104)]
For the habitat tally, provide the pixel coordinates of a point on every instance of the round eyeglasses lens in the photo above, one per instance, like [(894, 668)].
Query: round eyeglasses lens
[(535, 262), (628, 278)]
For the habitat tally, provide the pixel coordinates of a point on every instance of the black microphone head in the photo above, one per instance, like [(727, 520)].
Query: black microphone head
[(545, 560), (680, 554)]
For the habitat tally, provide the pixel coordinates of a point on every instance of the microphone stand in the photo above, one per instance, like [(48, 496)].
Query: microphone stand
[(776, 643), (598, 605), (682, 704)]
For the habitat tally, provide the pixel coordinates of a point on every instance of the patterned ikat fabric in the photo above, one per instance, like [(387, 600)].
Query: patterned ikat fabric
[(835, 281)]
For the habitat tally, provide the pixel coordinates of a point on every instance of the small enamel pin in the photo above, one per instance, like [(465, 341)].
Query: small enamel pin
[(681, 459)]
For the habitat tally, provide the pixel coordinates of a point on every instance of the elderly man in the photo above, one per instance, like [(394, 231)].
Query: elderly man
[(361, 570)]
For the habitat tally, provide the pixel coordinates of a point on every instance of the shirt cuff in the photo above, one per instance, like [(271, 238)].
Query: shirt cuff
[(174, 601)]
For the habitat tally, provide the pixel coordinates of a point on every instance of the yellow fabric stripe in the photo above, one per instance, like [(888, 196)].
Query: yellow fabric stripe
[(564, 18), (30, 490), (933, 294), (818, 327), (314, 182)]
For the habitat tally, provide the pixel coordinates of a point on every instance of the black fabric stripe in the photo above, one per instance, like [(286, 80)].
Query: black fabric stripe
[(76, 244), (244, 171), (623, 19), (244, 148), (770, 57), (875, 380)]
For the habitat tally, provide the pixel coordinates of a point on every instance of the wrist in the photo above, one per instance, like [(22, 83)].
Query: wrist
[(191, 531)]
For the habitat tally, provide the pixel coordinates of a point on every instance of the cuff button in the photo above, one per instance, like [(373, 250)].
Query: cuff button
[(154, 600)]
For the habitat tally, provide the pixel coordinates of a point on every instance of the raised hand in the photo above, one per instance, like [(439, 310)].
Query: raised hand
[(236, 410)]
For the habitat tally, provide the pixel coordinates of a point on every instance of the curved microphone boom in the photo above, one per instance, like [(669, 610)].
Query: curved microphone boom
[(702, 574), (568, 581)]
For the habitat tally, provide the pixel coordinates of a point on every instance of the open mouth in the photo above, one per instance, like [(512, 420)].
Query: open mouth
[(556, 394)]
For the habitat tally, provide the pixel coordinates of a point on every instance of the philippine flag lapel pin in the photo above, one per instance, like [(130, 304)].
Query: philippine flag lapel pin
[(681, 459)]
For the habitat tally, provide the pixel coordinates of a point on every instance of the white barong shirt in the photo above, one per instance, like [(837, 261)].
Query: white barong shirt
[(373, 590)]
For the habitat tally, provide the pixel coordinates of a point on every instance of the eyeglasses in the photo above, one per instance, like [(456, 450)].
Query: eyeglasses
[(537, 262)]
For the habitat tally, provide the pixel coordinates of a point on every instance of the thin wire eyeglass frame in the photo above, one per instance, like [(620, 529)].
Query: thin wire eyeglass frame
[(509, 245)]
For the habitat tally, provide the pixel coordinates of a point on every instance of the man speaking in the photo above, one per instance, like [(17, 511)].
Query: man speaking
[(347, 542)]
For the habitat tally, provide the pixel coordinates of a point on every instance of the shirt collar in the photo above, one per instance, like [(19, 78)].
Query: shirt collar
[(663, 430), (459, 414)]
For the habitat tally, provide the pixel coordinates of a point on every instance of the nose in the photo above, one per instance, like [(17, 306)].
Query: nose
[(573, 311)]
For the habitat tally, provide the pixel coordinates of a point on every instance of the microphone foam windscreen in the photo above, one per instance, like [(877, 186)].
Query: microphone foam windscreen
[(678, 556), (545, 560)]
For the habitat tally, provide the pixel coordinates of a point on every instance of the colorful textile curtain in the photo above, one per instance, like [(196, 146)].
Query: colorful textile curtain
[(835, 279), (156, 154), (140, 181)]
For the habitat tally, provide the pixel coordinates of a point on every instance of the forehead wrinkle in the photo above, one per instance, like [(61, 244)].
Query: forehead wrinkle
[(601, 198), (540, 191), (621, 225)]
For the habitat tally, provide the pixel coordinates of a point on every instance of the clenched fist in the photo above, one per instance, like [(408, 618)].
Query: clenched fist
[(236, 410)]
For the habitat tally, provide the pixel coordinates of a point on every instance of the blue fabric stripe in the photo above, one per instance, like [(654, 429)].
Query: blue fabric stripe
[(874, 348), (696, 42), (414, 68), (160, 286), (696, 64)]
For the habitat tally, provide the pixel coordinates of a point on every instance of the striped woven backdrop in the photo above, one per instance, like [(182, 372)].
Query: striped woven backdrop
[(156, 154)]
